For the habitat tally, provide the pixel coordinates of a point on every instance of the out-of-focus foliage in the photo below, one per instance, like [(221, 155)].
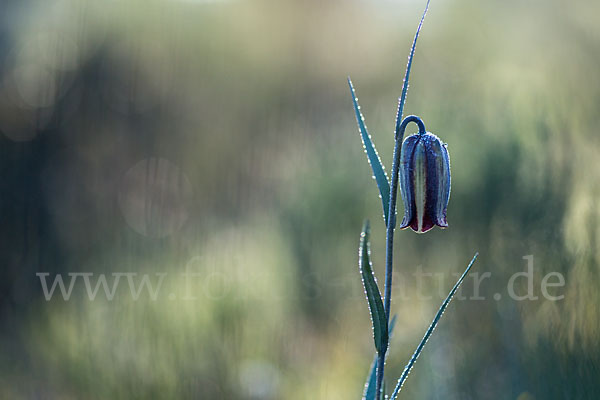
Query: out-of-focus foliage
[(218, 136)]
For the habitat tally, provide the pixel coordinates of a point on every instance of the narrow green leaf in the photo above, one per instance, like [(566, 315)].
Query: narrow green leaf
[(402, 99), (378, 171), (369, 392), (430, 330), (392, 326), (380, 330)]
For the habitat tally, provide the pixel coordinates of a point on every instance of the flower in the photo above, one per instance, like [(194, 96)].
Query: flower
[(424, 182)]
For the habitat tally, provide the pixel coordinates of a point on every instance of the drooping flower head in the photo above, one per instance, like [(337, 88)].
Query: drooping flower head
[(424, 182)]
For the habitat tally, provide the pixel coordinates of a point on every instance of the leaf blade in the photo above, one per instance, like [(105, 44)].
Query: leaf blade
[(376, 165), (430, 330), (402, 99), (369, 392), (380, 326)]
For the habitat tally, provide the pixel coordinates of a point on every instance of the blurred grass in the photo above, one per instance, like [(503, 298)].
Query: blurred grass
[(248, 99)]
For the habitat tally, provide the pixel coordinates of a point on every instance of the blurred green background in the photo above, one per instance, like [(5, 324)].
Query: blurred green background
[(218, 137)]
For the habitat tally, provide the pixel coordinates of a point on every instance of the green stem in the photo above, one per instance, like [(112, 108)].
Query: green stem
[(387, 297), (391, 222)]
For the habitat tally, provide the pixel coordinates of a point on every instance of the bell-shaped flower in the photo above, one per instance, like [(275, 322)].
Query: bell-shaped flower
[(424, 182)]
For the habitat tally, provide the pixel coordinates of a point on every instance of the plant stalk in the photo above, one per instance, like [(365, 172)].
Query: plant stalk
[(391, 223), (387, 297)]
